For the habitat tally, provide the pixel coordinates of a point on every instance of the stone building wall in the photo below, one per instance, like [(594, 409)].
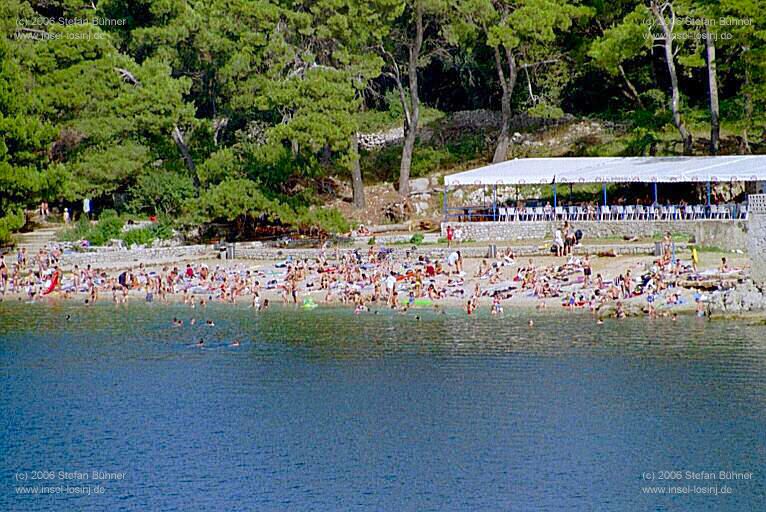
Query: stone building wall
[(727, 234), (757, 237)]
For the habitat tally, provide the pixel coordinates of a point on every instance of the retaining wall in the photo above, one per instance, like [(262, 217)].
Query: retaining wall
[(148, 256), (728, 234)]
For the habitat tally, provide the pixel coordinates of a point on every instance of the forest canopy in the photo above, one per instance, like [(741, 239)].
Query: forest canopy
[(207, 111)]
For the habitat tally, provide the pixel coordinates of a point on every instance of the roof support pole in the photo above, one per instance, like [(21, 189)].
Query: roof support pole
[(603, 189), (444, 202), (655, 193), (708, 193), (555, 197), (494, 202)]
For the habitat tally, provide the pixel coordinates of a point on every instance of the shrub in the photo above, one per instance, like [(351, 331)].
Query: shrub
[(108, 227), (11, 222), (142, 236), (417, 238)]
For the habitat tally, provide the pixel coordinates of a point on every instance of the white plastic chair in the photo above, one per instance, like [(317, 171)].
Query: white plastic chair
[(743, 212), (539, 213), (619, 212), (606, 213), (630, 212), (724, 211), (560, 213)]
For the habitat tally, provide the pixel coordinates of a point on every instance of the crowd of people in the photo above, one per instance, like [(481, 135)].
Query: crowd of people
[(375, 277)]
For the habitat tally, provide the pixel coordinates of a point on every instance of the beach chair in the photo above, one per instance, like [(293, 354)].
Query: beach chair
[(724, 211), (619, 212), (630, 212), (714, 211), (572, 213), (698, 212), (539, 213), (606, 213), (640, 212), (560, 213), (511, 214)]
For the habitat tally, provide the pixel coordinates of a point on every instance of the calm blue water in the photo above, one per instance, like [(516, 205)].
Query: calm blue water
[(326, 410)]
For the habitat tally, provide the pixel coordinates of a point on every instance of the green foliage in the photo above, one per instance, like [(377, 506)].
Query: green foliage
[(110, 227), (327, 219), (622, 42), (384, 163), (417, 239), (107, 228), (237, 199), (226, 110), (9, 223), (161, 192)]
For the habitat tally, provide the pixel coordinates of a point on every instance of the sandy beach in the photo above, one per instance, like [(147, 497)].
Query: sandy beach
[(503, 276)]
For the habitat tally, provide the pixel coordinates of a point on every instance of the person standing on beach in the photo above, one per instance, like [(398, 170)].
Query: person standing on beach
[(3, 274), (391, 288), (587, 271), (667, 243), (450, 236), (21, 257), (558, 243)]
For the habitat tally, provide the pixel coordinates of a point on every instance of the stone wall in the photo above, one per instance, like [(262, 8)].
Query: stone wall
[(148, 256), (727, 234), (757, 237), (264, 253)]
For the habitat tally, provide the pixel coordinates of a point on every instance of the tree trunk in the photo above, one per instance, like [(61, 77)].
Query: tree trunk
[(507, 85), (715, 126), (411, 128), (178, 138), (632, 88), (675, 101), (357, 184), (404, 170), (748, 110)]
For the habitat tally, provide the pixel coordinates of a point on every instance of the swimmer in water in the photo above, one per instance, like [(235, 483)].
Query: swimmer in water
[(210, 323), (201, 343), (235, 344)]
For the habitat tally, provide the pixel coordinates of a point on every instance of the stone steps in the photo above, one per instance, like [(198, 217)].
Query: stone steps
[(33, 241)]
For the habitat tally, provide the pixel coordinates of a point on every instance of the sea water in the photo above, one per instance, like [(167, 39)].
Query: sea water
[(115, 408)]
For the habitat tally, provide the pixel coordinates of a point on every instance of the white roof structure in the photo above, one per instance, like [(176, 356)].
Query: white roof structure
[(642, 169)]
